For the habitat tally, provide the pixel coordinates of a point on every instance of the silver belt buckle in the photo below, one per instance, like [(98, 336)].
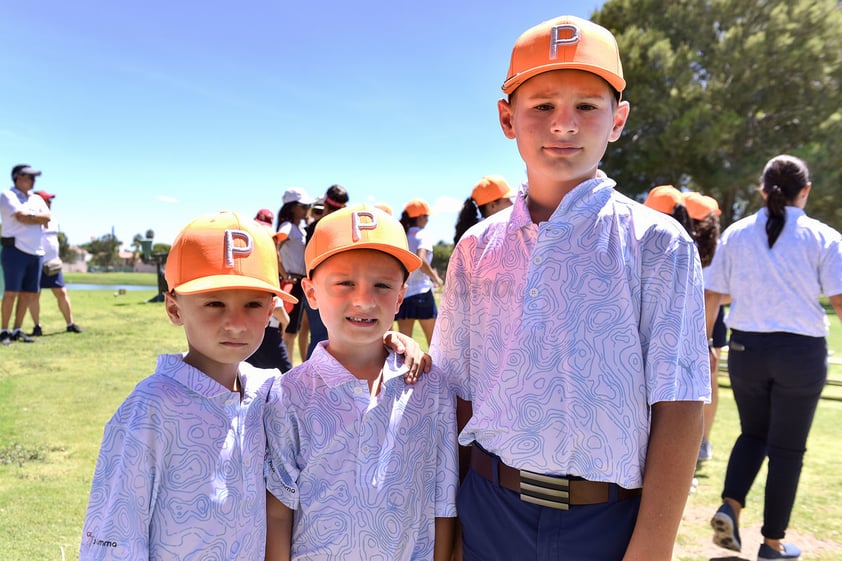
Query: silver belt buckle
[(545, 490)]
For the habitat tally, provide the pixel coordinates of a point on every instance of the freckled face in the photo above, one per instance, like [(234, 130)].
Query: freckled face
[(223, 327), (357, 293), (562, 121)]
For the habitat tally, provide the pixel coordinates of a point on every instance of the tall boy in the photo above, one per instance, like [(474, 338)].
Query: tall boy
[(180, 470), (363, 463), (574, 323)]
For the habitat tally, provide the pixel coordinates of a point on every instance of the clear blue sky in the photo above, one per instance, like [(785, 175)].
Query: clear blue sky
[(145, 114)]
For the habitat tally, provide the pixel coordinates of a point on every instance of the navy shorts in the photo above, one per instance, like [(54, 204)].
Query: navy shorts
[(419, 306), (297, 313), (52, 281), (21, 271)]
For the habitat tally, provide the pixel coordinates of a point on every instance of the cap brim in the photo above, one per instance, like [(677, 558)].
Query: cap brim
[(515, 81), (409, 260), (232, 282)]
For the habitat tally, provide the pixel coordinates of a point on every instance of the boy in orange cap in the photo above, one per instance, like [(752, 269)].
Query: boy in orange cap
[(351, 446), (670, 201), (704, 212), (574, 324), (180, 470)]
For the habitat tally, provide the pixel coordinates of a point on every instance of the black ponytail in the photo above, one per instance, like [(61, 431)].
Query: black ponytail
[(468, 216), (783, 179)]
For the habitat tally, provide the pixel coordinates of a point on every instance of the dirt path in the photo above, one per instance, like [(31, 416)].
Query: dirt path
[(698, 516)]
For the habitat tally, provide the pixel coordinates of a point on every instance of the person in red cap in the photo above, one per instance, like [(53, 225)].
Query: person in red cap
[(265, 216), (574, 327), (23, 215), (52, 276)]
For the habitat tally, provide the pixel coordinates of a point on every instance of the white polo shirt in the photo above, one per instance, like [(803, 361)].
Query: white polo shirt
[(418, 281), (27, 236), (564, 333), (292, 249), (180, 470), (778, 289), (366, 477)]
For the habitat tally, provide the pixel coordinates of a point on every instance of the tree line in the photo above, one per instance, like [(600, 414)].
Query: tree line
[(718, 87)]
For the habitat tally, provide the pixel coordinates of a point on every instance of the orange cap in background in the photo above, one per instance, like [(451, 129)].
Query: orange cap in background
[(224, 251), (359, 227), (701, 206), (491, 188), (565, 43), (664, 198), (384, 207), (416, 208)]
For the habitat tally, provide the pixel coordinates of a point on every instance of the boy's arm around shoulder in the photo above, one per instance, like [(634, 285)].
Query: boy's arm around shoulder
[(279, 519), (417, 361), (674, 440)]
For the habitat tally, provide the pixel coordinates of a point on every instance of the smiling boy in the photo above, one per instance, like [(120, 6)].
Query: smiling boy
[(361, 465)]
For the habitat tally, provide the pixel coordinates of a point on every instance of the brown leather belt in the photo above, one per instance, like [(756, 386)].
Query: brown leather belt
[(548, 490)]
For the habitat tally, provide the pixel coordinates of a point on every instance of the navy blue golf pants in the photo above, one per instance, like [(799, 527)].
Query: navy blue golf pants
[(497, 525), (777, 380)]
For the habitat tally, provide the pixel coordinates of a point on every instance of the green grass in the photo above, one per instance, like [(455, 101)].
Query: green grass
[(57, 394), (133, 279)]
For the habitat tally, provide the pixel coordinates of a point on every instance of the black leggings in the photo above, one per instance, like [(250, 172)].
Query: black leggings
[(777, 380)]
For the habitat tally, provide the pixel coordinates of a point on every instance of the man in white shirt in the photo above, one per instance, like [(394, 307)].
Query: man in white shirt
[(24, 214)]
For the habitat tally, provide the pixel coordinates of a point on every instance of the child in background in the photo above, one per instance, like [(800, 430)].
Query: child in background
[(272, 352), (360, 465), (291, 238), (180, 470), (704, 212), (490, 195), (420, 301)]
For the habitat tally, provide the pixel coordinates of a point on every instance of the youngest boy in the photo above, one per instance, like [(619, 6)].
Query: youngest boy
[(180, 470), (366, 463)]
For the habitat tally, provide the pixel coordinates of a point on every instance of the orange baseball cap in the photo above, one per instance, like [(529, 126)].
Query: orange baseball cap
[(491, 188), (565, 43), (701, 206), (664, 198), (384, 207), (224, 251), (359, 227), (416, 208)]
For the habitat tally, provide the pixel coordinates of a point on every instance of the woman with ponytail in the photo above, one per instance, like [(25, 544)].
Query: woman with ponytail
[(774, 264)]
